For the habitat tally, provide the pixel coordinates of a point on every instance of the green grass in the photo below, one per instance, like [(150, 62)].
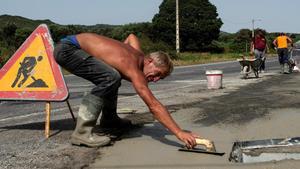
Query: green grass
[(201, 58)]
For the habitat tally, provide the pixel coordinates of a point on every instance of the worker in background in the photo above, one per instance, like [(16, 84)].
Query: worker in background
[(281, 43), (259, 48)]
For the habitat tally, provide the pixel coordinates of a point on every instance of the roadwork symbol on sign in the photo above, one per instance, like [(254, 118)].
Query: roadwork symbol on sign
[(32, 73)]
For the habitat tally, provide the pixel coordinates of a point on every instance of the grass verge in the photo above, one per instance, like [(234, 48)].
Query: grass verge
[(202, 58)]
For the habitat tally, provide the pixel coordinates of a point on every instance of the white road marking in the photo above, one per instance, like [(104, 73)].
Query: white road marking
[(73, 107), (81, 85), (32, 114), (182, 72), (190, 81), (159, 92)]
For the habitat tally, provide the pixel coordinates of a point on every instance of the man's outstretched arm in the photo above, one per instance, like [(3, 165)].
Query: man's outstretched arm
[(161, 113)]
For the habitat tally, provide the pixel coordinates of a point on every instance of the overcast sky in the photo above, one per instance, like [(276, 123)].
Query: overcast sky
[(271, 15)]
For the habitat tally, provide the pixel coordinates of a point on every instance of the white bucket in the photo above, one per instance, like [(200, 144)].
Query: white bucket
[(214, 79)]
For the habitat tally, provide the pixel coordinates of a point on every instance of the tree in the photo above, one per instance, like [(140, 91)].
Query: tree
[(21, 35), (8, 34), (199, 24), (242, 41)]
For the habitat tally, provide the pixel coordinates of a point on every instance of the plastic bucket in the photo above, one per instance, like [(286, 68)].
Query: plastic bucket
[(214, 79)]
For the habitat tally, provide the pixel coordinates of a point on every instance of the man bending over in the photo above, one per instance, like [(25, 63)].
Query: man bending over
[(105, 62)]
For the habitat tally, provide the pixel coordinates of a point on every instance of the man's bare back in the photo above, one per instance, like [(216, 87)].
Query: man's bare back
[(125, 58)]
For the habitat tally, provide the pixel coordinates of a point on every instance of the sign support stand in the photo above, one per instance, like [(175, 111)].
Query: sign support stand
[(73, 117), (47, 120)]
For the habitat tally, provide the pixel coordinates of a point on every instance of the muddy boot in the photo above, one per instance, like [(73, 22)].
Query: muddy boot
[(110, 123), (87, 117), (109, 118), (286, 68), (115, 123), (114, 129)]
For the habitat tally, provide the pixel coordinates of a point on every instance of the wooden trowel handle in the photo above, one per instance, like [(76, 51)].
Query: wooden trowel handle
[(207, 143)]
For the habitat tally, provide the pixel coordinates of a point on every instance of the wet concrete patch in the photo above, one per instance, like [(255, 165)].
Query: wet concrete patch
[(265, 150)]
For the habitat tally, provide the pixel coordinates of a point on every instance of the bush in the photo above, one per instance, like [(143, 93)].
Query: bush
[(149, 46)]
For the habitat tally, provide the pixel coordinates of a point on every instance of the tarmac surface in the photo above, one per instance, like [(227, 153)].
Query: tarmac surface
[(245, 109), (251, 109)]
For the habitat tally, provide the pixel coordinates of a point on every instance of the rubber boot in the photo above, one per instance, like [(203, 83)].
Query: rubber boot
[(89, 111), (109, 118), (286, 68)]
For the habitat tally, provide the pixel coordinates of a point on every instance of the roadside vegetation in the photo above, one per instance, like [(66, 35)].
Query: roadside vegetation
[(202, 58), (201, 40)]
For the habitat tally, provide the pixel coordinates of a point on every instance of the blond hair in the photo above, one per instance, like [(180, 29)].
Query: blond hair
[(162, 59)]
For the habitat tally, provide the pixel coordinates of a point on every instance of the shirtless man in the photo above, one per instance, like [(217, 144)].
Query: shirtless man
[(105, 62)]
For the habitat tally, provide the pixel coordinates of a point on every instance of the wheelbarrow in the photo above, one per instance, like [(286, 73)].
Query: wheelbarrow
[(250, 65)]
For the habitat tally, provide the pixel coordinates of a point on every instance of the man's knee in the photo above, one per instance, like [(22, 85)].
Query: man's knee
[(115, 78), (111, 82), (107, 82)]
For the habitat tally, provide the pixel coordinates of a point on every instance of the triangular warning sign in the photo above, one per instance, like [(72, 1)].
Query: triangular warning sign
[(32, 73)]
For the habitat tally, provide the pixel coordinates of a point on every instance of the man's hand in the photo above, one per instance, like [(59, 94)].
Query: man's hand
[(188, 138)]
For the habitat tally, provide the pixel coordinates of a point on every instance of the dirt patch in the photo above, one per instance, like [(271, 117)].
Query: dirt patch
[(23, 146)]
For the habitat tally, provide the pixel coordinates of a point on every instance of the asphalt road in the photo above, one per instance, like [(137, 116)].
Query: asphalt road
[(77, 86), (184, 93), (253, 109)]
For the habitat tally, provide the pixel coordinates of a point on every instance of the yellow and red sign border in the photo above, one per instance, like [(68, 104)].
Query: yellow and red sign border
[(59, 94)]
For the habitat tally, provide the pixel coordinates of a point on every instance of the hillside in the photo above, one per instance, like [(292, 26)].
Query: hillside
[(22, 22), (15, 29)]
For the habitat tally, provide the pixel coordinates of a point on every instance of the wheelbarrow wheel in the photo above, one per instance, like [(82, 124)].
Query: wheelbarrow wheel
[(245, 72)]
